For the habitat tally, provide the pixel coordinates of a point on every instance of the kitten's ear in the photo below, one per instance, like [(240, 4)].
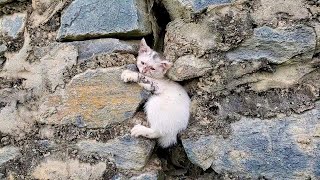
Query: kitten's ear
[(166, 65), (144, 48)]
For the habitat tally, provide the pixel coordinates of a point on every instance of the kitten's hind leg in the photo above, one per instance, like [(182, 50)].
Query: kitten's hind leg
[(139, 130)]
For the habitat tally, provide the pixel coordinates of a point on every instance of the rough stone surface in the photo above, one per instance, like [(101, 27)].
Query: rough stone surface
[(188, 67), (96, 97), (5, 1), (84, 19), (70, 169), (14, 120), (279, 148), (56, 62), (185, 8), (276, 45), (126, 152), (223, 28), (3, 49), (13, 25), (8, 153), (267, 11), (90, 48)]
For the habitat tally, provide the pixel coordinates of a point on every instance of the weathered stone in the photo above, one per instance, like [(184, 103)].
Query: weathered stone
[(98, 97), (55, 63), (221, 29), (70, 169), (278, 148), (276, 45), (185, 8), (44, 10), (90, 48), (267, 11), (86, 19), (126, 152), (15, 121), (13, 25), (3, 49), (188, 67), (5, 1), (8, 153)]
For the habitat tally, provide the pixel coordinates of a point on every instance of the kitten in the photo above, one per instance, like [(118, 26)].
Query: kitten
[(168, 108)]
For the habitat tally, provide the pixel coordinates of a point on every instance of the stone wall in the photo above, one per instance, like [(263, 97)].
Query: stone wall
[(251, 68)]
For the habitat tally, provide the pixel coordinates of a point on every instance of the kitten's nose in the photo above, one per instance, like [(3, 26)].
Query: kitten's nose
[(144, 70)]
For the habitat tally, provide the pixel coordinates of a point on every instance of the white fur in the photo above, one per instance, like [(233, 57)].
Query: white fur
[(168, 108), (168, 112)]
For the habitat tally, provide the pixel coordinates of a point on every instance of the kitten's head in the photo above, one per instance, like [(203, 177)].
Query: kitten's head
[(150, 63)]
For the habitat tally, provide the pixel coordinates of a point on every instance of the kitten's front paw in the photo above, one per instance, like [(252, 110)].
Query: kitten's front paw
[(139, 130), (129, 76)]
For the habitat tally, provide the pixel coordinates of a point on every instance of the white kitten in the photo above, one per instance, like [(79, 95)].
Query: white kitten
[(168, 108)]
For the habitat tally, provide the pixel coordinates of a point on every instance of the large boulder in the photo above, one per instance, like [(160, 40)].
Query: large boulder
[(96, 97), (278, 148), (85, 19)]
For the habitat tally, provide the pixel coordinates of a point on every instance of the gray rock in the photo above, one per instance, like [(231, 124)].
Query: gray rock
[(3, 49), (188, 67), (5, 1), (96, 98), (90, 48), (267, 11), (13, 25), (279, 148), (221, 29), (125, 151), (276, 45), (99, 18), (8, 153), (184, 8)]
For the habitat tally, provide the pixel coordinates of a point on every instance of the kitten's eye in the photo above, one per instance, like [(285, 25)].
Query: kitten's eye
[(142, 62), (152, 68)]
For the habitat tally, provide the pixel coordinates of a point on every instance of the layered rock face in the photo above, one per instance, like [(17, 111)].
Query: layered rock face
[(251, 68)]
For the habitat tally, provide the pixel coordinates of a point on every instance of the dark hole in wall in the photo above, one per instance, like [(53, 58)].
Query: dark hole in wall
[(163, 18)]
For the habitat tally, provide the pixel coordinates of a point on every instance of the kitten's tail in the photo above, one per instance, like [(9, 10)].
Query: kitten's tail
[(168, 140)]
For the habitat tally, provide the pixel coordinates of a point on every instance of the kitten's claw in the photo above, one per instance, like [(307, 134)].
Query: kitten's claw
[(139, 130), (129, 76)]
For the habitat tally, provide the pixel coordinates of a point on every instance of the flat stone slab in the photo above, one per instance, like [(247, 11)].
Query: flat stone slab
[(68, 169), (126, 152), (90, 48), (276, 45), (85, 19), (279, 148), (96, 98), (13, 25)]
